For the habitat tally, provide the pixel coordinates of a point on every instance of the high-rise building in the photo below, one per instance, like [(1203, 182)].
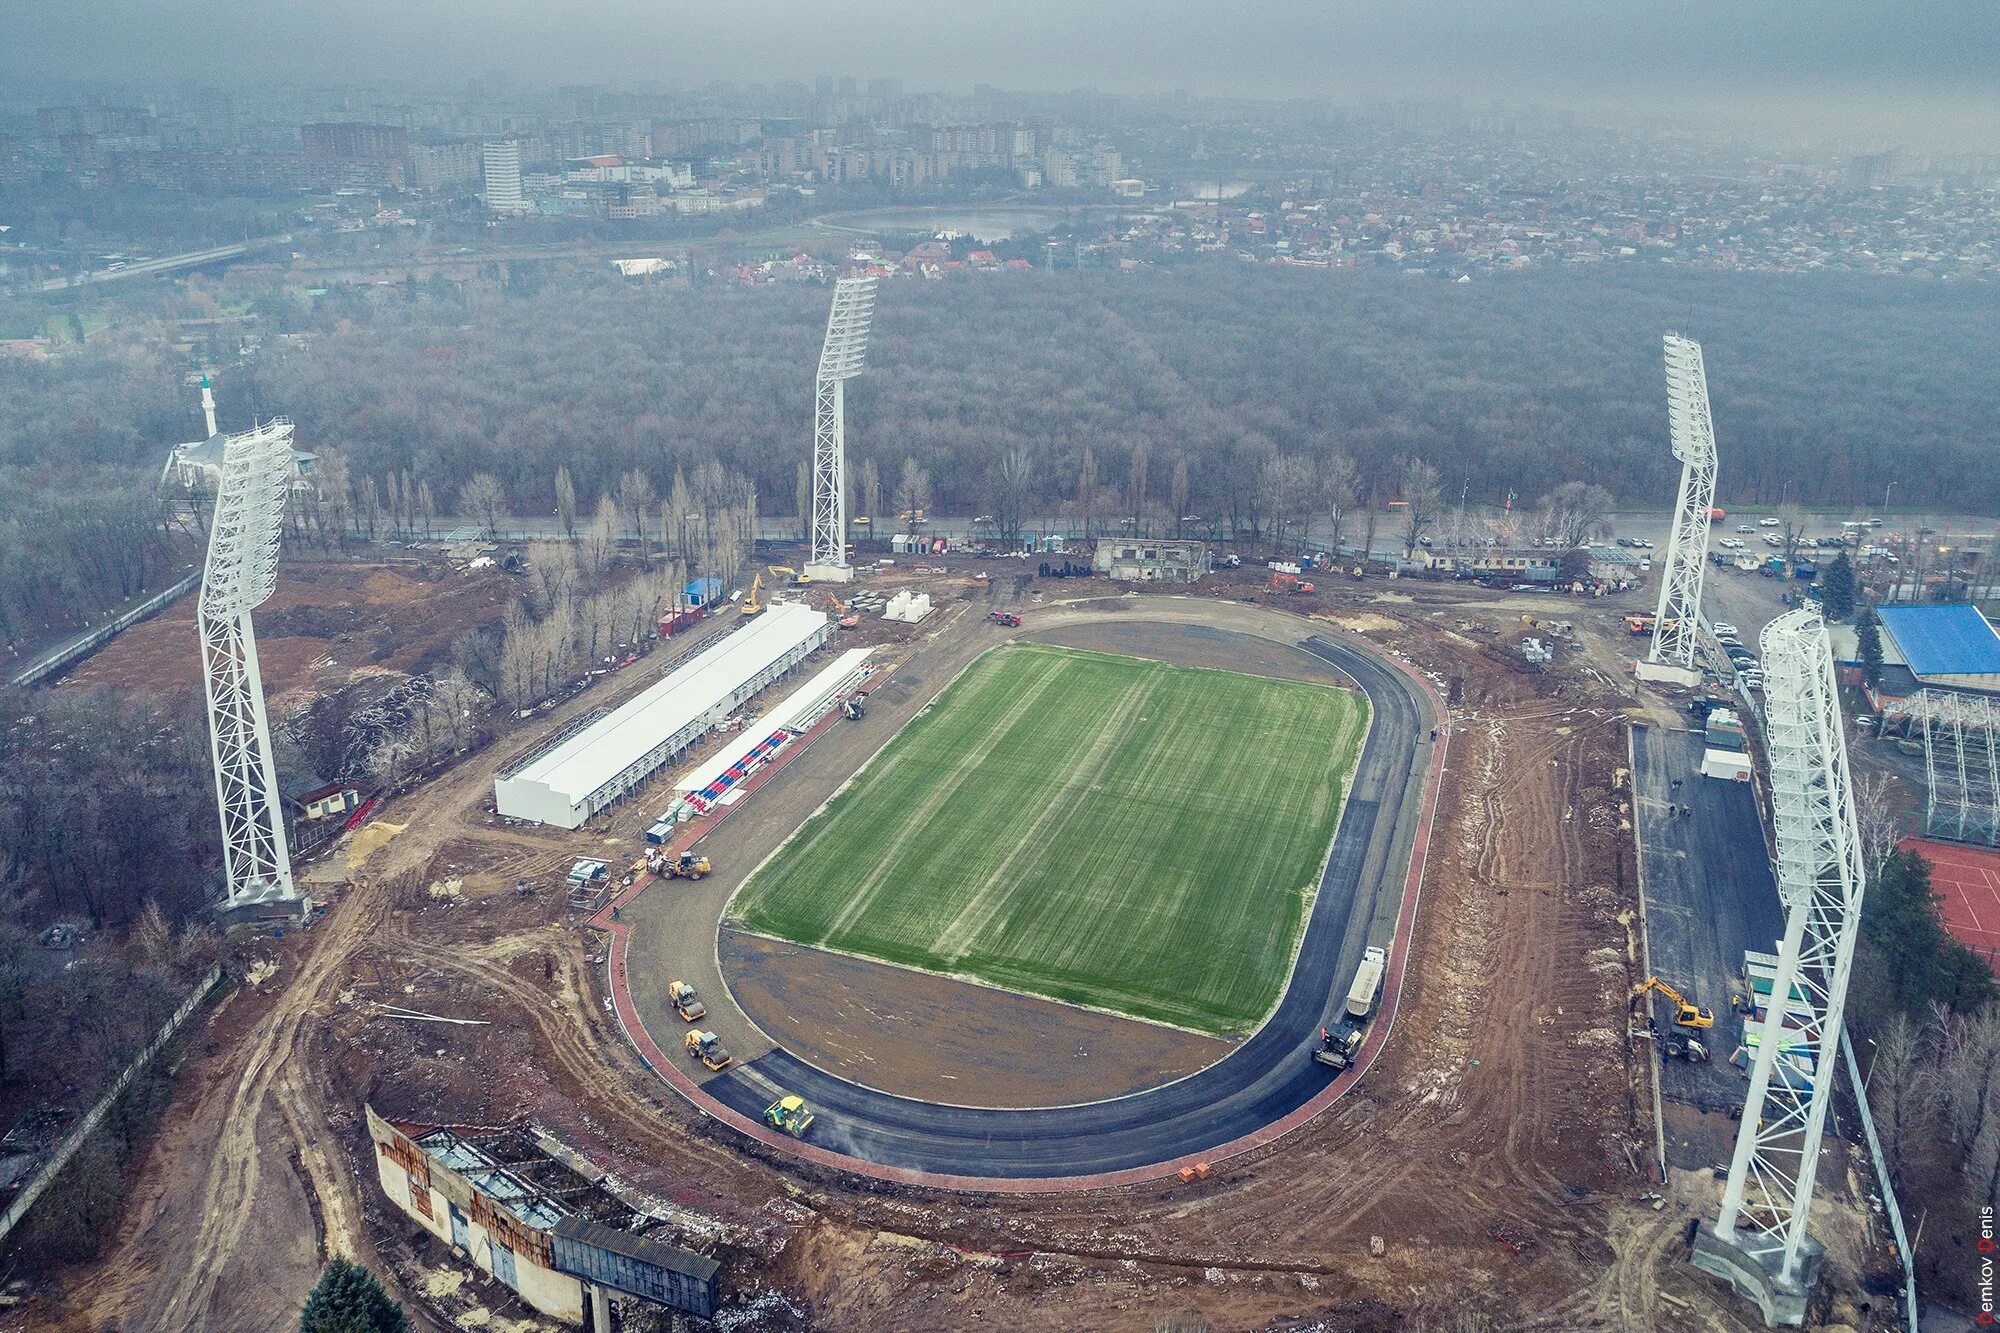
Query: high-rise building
[(503, 176), (443, 165)]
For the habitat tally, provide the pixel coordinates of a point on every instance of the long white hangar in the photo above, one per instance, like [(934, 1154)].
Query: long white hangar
[(572, 780)]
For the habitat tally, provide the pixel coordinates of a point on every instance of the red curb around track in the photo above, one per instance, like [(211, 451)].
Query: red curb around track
[(1378, 1036)]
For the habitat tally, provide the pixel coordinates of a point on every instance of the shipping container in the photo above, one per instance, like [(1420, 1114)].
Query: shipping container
[(1367, 983)]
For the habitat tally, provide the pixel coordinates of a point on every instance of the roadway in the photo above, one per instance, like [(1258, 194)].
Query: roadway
[(1270, 1077), (142, 268), (1709, 895)]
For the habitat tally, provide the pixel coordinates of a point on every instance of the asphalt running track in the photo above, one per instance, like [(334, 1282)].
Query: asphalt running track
[(1265, 1088)]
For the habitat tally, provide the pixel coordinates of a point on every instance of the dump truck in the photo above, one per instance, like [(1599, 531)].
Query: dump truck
[(790, 1114), (707, 1048), (686, 1003), (1686, 1013), (1367, 983)]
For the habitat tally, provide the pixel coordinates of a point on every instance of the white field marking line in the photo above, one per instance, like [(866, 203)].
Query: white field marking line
[(914, 821), (984, 905)]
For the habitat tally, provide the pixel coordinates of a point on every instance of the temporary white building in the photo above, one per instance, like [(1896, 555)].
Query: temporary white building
[(574, 779), (1730, 765), (810, 701)]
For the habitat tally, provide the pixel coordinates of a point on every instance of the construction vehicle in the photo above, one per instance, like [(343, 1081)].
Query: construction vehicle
[(707, 1048), (1682, 1046), (1006, 619), (1367, 983), (1283, 582), (1686, 1014), (853, 707), (789, 1114), (686, 1003), (843, 617), (789, 575), (751, 605), (1337, 1047), (688, 865)]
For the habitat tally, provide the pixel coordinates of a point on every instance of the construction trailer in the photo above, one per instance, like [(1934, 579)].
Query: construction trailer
[(567, 783), (1726, 765), (538, 1218)]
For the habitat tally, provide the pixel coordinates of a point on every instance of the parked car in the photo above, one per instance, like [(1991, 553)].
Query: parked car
[(1724, 629), (1767, 522), (1745, 527)]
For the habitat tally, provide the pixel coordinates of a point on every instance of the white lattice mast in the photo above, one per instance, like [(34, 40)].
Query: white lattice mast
[(1766, 1202), (255, 473), (1693, 437), (840, 360)]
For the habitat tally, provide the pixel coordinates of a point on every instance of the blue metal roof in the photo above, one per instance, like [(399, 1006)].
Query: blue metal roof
[(1950, 640)]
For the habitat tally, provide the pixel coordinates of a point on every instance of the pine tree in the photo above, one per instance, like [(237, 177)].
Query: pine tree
[(348, 1299), (1836, 588), (1868, 641)]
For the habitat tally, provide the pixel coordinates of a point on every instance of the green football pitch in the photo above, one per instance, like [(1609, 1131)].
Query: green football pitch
[(1120, 833)]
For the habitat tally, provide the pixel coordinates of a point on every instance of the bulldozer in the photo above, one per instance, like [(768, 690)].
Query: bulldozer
[(1686, 1014), (686, 1003), (707, 1048), (790, 1114), (751, 605)]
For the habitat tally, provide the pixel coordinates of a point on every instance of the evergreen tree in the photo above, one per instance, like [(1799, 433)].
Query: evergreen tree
[(1836, 588), (1868, 641), (348, 1299)]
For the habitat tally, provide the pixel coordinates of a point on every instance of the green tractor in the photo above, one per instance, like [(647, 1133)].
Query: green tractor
[(789, 1114)]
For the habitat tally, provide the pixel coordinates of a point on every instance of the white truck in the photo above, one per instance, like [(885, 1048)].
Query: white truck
[(1338, 1044), (1367, 983)]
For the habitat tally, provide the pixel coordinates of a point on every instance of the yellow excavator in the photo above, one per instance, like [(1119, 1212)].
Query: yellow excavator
[(1686, 1015), (751, 605)]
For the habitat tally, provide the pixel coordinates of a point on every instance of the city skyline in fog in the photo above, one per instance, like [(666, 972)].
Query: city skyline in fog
[(1925, 74)]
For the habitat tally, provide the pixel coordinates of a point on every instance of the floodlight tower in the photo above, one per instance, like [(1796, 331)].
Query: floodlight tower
[(840, 360), (1693, 436), (254, 475), (1759, 1240)]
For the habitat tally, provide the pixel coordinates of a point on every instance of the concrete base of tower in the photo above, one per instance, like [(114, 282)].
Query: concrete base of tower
[(1755, 1275), (830, 573)]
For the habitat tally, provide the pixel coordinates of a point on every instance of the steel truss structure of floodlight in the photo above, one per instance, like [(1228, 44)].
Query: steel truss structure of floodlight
[(1768, 1196), (840, 360), (1677, 622), (242, 569), (1961, 734)]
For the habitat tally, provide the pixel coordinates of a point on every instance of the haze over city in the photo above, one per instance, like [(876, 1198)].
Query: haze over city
[(1094, 666)]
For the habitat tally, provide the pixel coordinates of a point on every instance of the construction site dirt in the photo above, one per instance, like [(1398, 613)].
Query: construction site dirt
[(1492, 1169), (328, 622)]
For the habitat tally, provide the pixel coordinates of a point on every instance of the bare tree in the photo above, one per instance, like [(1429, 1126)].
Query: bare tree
[(913, 492), (1574, 513), (566, 501), (870, 498), (1135, 489), (484, 498), (1086, 488), (802, 498), (597, 545), (1968, 1068), (1420, 494), (1336, 493), (1876, 815), (1177, 493), (1791, 528), (1902, 1091), (636, 500), (1011, 479)]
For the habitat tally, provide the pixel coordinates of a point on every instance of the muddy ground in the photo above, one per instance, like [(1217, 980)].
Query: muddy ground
[(935, 1038), (1490, 1172), (327, 624)]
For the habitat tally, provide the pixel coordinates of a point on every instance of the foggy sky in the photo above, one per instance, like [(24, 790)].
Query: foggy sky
[(1919, 69)]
